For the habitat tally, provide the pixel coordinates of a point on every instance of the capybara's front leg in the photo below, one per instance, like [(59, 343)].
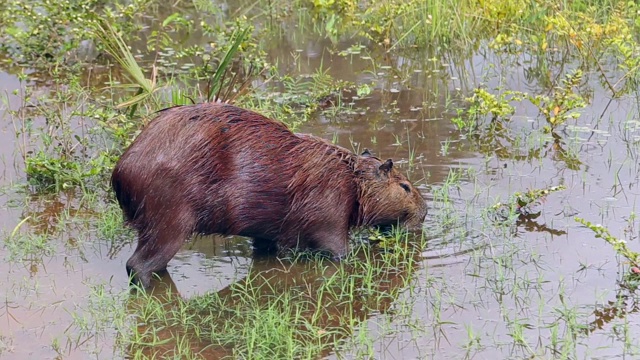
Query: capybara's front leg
[(333, 240)]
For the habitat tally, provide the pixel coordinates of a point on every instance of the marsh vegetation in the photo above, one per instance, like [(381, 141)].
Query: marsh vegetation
[(518, 119)]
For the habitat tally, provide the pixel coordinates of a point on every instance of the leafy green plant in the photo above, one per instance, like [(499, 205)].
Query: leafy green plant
[(304, 95), (561, 106), (118, 49), (482, 104), (47, 173), (51, 34), (601, 29), (498, 106), (27, 246), (50, 173), (522, 204), (619, 245), (37, 32), (215, 71), (363, 90), (217, 80), (164, 37)]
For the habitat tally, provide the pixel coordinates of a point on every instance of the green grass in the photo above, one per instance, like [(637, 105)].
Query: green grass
[(27, 247), (299, 309)]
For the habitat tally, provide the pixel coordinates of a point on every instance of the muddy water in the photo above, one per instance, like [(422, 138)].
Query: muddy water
[(472, 278), (8, 84)]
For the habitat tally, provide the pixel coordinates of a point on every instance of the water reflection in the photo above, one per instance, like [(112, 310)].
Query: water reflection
[(347, 295)]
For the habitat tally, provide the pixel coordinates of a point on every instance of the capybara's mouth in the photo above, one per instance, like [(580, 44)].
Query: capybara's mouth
[(414, 221), (412, 224), (386, 228), (417, 222)]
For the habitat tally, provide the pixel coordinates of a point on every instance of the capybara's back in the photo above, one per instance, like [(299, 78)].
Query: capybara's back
[(216, 168)]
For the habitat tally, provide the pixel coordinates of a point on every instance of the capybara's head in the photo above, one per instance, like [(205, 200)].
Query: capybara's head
[(386, 196)]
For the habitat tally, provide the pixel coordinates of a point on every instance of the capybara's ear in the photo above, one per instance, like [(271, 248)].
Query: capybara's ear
[(366, 152), (386, 167)]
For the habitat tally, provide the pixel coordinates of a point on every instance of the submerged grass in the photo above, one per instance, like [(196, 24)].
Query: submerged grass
[(25, 248), (298, 308)]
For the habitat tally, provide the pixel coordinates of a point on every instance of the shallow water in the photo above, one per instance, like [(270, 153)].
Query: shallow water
[(547, 280)]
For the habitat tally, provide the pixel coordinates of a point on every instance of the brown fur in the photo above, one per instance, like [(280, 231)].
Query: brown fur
[(216, 168)]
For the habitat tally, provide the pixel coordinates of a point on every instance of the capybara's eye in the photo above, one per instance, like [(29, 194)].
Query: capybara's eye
[(406, 187)]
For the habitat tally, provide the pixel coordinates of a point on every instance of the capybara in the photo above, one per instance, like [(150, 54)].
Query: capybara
[(216, 168)]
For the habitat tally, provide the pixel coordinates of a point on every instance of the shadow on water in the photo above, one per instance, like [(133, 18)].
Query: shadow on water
[(625, 304)]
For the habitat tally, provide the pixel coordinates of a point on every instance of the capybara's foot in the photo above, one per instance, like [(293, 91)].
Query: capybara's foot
[(137, 276)]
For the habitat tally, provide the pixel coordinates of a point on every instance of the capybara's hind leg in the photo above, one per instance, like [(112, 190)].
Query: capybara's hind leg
[(156, 248)]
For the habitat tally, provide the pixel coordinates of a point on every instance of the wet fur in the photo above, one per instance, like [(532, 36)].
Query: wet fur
[(216, 168)]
